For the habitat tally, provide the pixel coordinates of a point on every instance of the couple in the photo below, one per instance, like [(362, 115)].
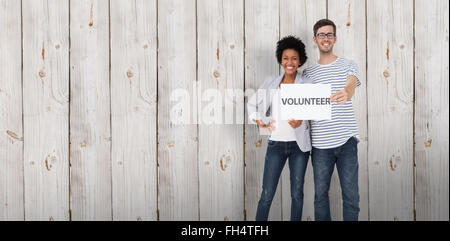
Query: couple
[(333, 142)]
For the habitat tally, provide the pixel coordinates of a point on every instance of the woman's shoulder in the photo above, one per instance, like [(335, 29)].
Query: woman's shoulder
[(269, 80)]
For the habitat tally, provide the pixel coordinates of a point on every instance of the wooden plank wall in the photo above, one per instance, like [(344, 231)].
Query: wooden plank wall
[(90, 122), (88, 128), (390, 93), (11, 114), (431, 110), (45, 29), (178, 180)]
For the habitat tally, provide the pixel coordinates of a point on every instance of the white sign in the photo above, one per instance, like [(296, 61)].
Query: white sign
[(305, 101)]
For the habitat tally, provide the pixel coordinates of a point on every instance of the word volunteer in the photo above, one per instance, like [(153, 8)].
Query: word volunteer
[(306, 101)]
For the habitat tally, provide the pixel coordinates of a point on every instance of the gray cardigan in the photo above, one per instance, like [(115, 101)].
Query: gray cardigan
[(258, 107)]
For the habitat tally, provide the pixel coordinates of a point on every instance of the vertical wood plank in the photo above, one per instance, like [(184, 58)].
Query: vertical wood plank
[(133, 109), (261, 36), (431, 110), (351, 30), (390, 108), (221, 59), (177, 142), (298, 18), (11, 134), (90, 132), (46, 109)]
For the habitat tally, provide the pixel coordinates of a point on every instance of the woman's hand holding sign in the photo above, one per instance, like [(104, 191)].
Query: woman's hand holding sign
[(295, 123), (270, 127)]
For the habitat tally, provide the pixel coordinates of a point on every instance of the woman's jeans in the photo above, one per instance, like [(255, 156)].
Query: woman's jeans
[(276, 155), (346, 159)]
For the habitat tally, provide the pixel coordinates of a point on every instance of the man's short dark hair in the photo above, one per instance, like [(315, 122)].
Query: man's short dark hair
[(324, 22), (291, 42)]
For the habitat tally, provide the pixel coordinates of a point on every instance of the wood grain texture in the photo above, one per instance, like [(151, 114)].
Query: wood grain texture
[(11, 131), (390, 85), (261, 36), (133, 109), (351, 30), (431, 110), (90, 132), (88, 124), (177, 142), (46, 108), (221, 156), (298, 18)]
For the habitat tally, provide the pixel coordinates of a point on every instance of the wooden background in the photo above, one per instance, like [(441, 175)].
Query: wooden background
[(85, 105)]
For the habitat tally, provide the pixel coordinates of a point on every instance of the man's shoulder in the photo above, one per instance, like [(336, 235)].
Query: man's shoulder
[(308, 70), (310, 67), (346, 61)]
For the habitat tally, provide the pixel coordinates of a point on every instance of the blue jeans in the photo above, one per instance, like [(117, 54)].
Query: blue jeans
[(346, 159), (276, 155)]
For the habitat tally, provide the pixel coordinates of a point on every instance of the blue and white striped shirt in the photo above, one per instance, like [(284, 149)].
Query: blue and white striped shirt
[(333, 133)]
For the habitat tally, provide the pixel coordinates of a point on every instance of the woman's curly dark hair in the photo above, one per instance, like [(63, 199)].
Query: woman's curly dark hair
[(291, 42)]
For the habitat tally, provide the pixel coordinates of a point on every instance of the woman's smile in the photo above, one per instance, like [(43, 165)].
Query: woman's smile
[(290, 61)]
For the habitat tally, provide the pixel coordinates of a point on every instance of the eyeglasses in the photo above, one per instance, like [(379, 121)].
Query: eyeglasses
[(323, 35)]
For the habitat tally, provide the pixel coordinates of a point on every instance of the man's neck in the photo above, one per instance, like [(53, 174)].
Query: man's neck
[(327, 58)]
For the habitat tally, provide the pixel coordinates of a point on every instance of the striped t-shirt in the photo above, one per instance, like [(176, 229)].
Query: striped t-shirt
[(333, 133)]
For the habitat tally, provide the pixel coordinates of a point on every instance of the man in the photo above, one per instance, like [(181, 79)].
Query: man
[(334, 142)]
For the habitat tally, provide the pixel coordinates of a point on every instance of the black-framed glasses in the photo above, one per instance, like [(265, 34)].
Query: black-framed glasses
[(323, 35)]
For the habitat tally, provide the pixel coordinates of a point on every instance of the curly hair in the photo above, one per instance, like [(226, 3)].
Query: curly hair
[(291, 42)]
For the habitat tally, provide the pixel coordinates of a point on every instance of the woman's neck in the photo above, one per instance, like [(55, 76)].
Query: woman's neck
[(289, 78)]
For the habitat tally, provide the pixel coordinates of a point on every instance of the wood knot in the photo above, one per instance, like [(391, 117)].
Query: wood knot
[(258, 144), (428, 143), (13, 135), (386, 74), (171, 144), (41, 74), (216, 74), (225, 161), (129, 74), (48, 161)]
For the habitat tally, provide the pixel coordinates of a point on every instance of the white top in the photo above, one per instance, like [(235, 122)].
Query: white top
[(283, 131), (259, 110)]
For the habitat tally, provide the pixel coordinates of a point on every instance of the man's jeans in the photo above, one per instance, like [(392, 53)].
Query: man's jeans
[(346, 159), (276, 155)]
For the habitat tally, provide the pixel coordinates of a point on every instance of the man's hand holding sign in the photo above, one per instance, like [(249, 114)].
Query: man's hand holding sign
[(346, 94)]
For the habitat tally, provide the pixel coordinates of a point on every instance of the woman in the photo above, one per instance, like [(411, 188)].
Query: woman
[(288, 139)]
